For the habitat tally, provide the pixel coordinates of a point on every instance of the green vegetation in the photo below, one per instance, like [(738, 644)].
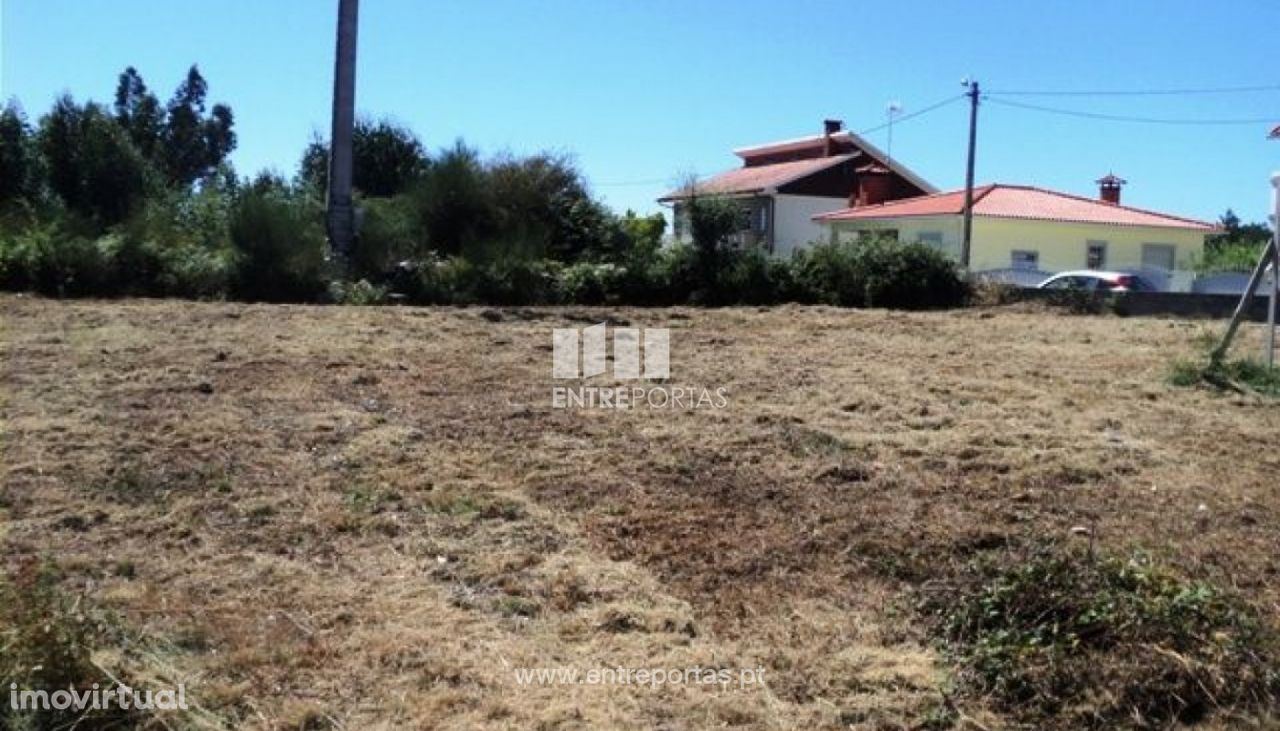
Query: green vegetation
[(880, 273), (1064, 639), (1237, 375), (138, 199), (46, 638), (1237, 249)]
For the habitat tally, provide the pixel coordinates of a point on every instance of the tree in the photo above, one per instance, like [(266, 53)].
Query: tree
[(20, 169), (1235, 232), (712, 221), (389, 159), (544, 200), (454, 202), (642, 235), (279, 241), (195, 144), (139, 112), (1237, 248), (92, 164)]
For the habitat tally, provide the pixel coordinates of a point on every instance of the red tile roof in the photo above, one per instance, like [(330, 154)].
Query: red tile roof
[(760, 178), (1020, 202)]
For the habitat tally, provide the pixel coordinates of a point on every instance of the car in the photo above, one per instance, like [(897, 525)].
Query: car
[(1091, 281)]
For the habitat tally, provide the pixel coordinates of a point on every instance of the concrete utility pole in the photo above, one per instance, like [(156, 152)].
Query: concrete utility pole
[(966, 246), (342, 217)]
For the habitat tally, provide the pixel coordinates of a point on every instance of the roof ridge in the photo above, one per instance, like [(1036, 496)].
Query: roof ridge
[(1135, 209), (793, 141), (901, 201)]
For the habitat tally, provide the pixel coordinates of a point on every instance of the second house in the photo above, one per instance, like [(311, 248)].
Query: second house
[(783, 186)]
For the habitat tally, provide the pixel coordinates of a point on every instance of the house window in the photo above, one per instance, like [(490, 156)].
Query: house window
[(1095, 255), (762, 219), (932, 238), (871, 234), (1158, 256), (677, 220), (1025, 259)]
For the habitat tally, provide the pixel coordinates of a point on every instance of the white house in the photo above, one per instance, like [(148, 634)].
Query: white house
[(784, 186)]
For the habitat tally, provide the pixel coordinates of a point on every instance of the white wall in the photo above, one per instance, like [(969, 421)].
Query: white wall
[(909, 230), (793, 224)]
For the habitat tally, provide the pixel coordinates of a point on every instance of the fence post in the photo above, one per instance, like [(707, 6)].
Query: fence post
[(1270, 357)]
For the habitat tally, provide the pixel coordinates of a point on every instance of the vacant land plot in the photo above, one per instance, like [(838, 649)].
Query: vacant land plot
[(374, 518)]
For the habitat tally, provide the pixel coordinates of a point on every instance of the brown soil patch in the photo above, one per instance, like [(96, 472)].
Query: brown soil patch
[(368, 518)]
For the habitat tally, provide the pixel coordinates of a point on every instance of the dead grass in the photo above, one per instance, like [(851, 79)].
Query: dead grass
[(368, 517)]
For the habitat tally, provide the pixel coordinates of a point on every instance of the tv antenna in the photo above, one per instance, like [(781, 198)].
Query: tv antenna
[(893, 111)]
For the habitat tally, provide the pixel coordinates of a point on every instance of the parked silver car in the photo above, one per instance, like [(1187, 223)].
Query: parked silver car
[(1091, 281)]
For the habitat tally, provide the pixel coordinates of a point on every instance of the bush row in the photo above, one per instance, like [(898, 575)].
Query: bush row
[(277, 253)]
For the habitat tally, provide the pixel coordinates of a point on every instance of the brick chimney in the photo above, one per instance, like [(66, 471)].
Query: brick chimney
[(1109, 188), (829, 128), (875, 185)]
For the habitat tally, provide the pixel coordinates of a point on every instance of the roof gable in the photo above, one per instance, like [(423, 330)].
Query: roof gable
[(763, 178)]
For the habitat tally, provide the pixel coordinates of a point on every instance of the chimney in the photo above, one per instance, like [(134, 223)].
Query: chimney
[(1109, 188), (829, 128), (875, 185)]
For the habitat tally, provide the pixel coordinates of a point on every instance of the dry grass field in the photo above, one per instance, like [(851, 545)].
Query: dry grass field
[(370, 518)]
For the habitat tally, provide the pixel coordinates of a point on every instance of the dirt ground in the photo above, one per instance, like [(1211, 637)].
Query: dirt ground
[(373, 518)]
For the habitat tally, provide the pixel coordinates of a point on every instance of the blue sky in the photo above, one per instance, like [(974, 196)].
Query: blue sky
[(643, 92)]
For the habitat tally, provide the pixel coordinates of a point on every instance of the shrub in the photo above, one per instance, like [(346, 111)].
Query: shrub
[(712, 221), (1067, 640), (518, 282), (677, 275), (831, 273), (586, 283), (909, 276), (1238, 375), (359, 293), (195, 271), (388, 235), (280, 246), (47, 259), (880, 273), (46, 638), (753, 277)]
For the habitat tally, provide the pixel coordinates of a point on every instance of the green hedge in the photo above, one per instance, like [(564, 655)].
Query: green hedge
[(273, 249)]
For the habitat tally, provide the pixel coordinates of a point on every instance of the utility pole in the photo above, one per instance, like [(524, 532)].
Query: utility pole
[(341, 208), (966, 246)]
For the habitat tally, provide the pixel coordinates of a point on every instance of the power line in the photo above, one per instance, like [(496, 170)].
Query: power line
[(1143, 92), (1127, 118), (626, 183), (897, 120), (913, 115)]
